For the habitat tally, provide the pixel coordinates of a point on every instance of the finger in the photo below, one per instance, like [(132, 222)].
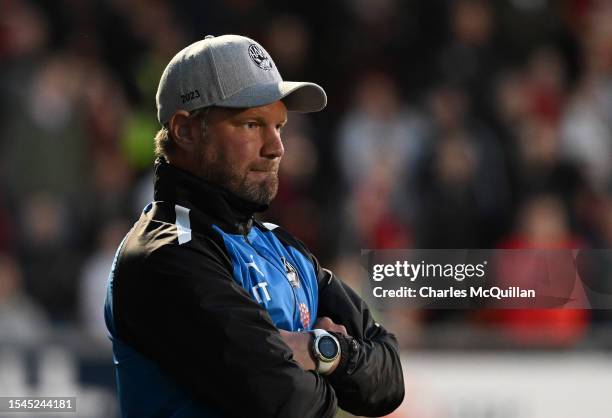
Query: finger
[(341, 329), (324, 322), (327, 324)]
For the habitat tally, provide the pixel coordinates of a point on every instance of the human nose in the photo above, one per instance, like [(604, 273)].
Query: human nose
[(273, 144)]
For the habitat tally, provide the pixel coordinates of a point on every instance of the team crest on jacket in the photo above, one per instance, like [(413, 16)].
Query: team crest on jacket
[(304, 315), (259, 57), (291, 272)]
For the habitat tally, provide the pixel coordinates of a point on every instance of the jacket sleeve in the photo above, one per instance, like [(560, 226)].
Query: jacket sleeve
[(369, 380), (191, 318)]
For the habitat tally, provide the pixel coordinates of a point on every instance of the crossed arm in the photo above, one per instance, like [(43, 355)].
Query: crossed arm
[(220, 345)]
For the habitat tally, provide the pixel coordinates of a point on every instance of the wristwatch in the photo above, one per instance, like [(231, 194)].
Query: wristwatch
[(325, 349)]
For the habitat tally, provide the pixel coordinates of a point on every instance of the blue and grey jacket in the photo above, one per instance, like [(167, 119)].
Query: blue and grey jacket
[(197, 293)]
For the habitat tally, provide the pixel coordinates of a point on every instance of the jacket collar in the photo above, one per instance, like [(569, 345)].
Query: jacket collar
[(173, 184)]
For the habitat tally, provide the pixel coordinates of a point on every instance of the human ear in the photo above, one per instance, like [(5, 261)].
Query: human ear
[(180, 128)]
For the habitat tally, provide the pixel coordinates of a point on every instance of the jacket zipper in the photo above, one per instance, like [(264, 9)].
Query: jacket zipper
[(245, 235)]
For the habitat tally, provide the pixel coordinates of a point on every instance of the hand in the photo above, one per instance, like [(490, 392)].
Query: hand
[(299, 342), (328, 325)]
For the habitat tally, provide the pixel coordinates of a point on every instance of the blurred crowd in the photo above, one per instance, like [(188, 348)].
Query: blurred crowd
[(450, 124)]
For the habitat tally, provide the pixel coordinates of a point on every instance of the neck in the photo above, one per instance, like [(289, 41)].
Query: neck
[(182, 187)]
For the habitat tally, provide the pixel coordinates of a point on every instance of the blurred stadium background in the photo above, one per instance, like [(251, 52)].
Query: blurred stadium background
[(450, 124)]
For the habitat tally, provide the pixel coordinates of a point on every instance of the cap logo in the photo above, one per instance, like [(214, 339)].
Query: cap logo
[(259, 57)]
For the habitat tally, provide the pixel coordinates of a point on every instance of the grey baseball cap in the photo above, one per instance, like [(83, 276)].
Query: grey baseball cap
[(230, 71)]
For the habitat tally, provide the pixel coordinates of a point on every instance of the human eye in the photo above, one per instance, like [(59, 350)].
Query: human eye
[(250, 125)]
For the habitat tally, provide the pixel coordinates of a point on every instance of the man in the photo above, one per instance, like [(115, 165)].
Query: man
[(212, 313)]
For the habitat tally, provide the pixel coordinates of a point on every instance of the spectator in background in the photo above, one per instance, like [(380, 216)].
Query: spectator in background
[(471, 57), (289, 42), (21, 320), (449, 216), (379, 128), (542, 223), (111, 166), (112, 184), (47, 253), (586, 128), (463, 185), (24, 35), (93, 279), (377, 24), (529, 101), (47, 134), (105, 109), (512, 101), (541, 166), (546, 84)]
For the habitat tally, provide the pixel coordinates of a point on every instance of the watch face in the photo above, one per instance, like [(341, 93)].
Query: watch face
[(328, 347)]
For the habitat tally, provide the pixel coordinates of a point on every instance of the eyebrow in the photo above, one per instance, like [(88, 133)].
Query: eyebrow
[(259, 119)]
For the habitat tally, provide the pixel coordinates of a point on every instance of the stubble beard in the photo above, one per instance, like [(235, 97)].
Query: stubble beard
[(217, 170)]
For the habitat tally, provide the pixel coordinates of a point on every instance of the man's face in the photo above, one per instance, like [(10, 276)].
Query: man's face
[(241, 150)]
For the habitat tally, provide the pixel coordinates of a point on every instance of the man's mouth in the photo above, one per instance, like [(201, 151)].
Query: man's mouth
[(264, 173), (265, 170)]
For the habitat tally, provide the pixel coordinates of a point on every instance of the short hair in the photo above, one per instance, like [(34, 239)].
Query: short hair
[(164, 143)]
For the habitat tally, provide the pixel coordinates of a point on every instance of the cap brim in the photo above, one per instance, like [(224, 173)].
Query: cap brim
[(298, 96)]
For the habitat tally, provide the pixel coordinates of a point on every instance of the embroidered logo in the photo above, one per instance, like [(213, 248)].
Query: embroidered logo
[(259, 57), (291, 272), (304, 315)]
